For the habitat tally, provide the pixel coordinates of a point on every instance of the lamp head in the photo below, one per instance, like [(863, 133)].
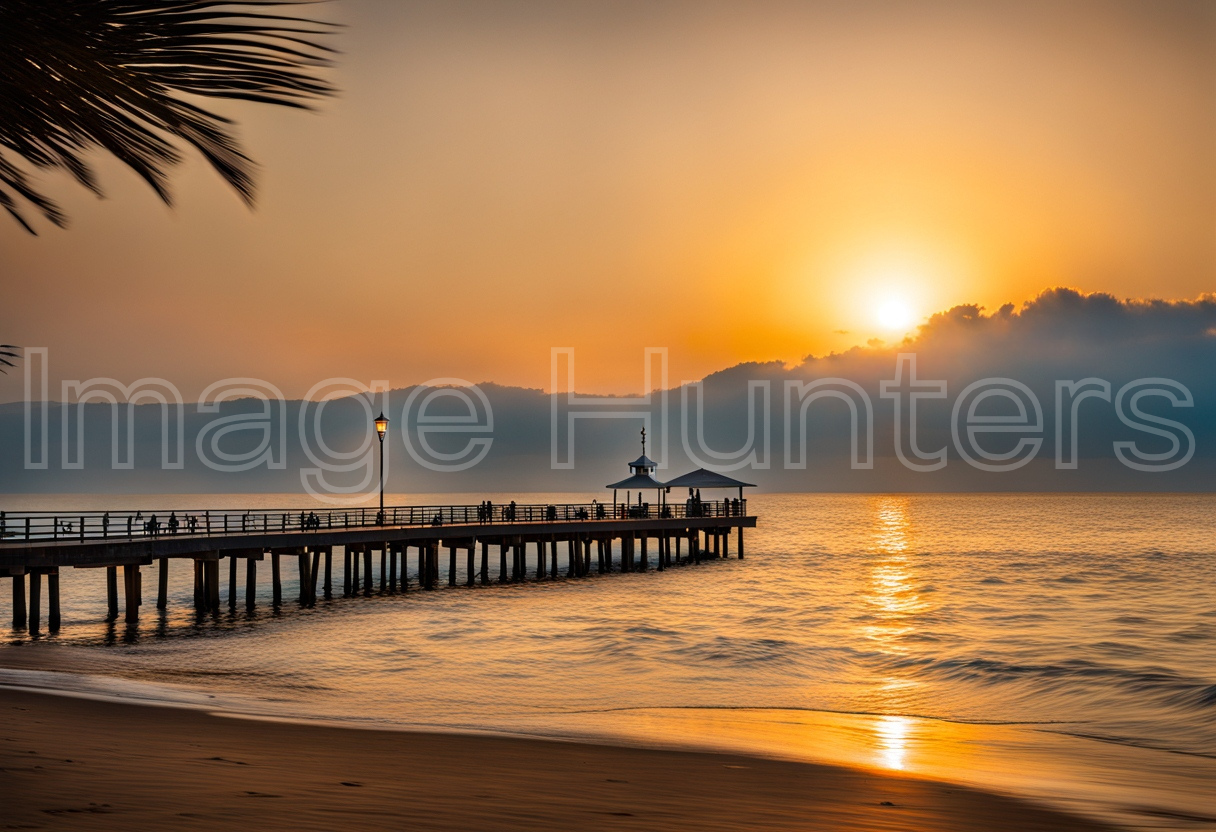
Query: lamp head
[(381, 425)]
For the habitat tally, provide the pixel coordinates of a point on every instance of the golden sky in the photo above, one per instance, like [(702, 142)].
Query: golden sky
[(732, 181)]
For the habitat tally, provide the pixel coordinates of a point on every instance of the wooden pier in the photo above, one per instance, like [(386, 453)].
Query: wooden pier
[(408, 541)]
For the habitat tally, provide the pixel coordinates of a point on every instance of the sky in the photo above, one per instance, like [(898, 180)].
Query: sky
[(735, 182)]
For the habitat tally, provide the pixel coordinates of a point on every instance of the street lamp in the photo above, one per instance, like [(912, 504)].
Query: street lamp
[(381, 429)]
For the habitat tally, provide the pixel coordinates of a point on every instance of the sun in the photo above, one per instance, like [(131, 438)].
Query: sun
[(894, 314)]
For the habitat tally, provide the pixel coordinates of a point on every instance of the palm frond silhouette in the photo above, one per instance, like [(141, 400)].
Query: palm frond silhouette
[(8, 351), (130, 77)]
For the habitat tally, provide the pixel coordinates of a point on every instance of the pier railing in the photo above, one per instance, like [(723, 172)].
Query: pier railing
[(27, 526)]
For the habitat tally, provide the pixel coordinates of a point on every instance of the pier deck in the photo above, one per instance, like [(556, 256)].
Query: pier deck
[(36, 545)]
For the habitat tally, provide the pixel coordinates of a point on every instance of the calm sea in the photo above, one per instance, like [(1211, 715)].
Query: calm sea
[(1059, 646)]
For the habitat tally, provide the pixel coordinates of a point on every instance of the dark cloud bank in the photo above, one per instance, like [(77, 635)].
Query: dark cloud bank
[(1060, 336)]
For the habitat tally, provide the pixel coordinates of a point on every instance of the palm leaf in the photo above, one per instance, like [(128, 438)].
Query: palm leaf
[(126, 76), (8, 351)]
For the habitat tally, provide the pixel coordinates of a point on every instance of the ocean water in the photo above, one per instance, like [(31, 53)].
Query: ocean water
[(1057, 646)]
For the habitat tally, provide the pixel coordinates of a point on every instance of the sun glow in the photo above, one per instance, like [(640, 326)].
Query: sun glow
[(894, 314)]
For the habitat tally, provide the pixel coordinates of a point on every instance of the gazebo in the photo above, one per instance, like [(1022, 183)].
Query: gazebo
[(704, 478), (641, 478)]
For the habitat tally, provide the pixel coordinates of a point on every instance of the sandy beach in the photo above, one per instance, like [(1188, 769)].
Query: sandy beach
[(73, 763)]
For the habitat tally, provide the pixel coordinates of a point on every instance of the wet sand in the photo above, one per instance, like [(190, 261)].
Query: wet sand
[(71, 763)]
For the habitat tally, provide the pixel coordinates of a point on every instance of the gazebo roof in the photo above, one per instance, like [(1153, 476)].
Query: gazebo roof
[(702, 478), (638, 481), (643, 462)]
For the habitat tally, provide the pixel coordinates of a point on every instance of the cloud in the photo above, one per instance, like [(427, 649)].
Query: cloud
[(751, 414)]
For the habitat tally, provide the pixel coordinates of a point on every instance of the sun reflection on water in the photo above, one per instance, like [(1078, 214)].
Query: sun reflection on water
[(894, 604), (892, 735)]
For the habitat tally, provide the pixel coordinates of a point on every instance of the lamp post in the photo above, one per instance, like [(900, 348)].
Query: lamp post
[(381, 429)]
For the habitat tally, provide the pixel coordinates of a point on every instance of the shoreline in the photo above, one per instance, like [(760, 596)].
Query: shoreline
[(85, 763)]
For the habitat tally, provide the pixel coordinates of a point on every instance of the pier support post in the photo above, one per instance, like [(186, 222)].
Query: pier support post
[(200, 598), (131, 579), (502, 563), (213, 585), (469, 565), (367, 573), (328, 587), (35, 601), (251, 583), (232, 582), (726, 543), (645, 559), (384, 568), (276, 580), (553, 558), (162, 584), (678, 540), (661, 554), (314, 575), (717, 544), (19, 616), (52, 592), (424, 566), (302, 569), (451, 566), (392, 568), (354, 571), (485, 563), (111, 593), (345, 571), (570, 557), (739, 544)]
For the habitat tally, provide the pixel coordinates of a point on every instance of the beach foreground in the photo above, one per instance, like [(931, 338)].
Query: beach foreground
[(72, 763)]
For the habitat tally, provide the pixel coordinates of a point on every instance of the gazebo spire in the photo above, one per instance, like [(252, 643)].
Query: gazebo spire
[(643, 441)]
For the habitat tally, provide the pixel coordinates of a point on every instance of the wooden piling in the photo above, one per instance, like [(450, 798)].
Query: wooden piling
[(52, 593), (739, 544), (131, 591), (162, 584), (276, 580), (345, 571), (231, 582), (35, 622), (392, 568), (485, 563), (200, 600), (314, 575), (384, 568), (328, 587), (302, 571), (469, 565), (213, 584), (19, 612), (502, 563), (251, 583), (451, 565), (367, 573), (111, 593)]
